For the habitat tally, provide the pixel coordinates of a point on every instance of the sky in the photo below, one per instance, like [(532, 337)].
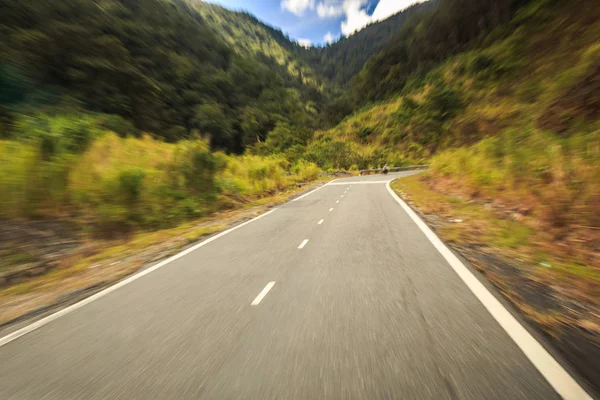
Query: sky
[(318, 22)]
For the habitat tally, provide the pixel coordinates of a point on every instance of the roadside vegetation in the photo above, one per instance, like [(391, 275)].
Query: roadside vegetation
[(112, 184)]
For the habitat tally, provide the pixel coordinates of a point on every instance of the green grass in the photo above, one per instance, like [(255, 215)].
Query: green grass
[(510, 234)]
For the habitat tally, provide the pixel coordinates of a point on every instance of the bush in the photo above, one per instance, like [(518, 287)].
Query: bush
[(364, 132), (443, 103), (481, 63), (118, 125), (253, 175), (305, 171), (131, 182), (328, 153)]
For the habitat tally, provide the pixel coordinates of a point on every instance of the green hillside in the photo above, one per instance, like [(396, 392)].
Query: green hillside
[(514, 118), (340, 61), (249, 37), (155, 64)]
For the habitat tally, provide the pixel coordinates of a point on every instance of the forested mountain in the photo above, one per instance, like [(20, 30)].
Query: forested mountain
[(180, 67), (247, 36), (177, 68), (156, 63), (430, 36), (443, 83), (340, 61)]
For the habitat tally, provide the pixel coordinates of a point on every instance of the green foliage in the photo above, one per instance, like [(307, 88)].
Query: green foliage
[(130, 184), (305, 171), (331, 154), (342, 60), (284, 136), (118, 125), (57, 135), (153, 66), (364, 132), (558, 172), (443, 103), (481, 63), (428, 37), (252, 175)]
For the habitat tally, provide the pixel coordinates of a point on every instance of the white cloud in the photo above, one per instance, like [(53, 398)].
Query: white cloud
[(298, 6), (329, 38), (387, 8), (355, 14), (330, 9), (304, 42), (356, 17)]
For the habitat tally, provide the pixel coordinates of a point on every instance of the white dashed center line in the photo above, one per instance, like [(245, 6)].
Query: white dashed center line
[(262, 294), (331, 209), (303, 243), (320, 222)]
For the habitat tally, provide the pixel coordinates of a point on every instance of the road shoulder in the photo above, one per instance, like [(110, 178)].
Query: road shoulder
[(519, 293)]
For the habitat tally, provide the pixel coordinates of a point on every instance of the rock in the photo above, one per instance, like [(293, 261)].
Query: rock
[(515, 216)]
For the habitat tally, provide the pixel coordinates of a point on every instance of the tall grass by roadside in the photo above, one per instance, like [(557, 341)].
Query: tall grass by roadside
[(72, 167), (558, 177)]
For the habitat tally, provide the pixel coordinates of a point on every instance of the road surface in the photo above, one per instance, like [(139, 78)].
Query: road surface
[(338, 295)]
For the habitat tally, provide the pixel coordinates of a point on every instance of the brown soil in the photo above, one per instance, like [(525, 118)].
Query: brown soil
[(569, 321)]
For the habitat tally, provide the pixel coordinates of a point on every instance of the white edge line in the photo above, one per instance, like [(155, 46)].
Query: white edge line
[(555, 374), (320, 222), (262, 294), (303, 244), (46, 320)]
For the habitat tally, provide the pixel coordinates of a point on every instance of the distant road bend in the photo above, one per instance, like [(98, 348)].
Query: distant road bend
[(340, 294)]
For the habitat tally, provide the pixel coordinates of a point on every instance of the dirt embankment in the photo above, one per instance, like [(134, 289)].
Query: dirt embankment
[(563, 305)]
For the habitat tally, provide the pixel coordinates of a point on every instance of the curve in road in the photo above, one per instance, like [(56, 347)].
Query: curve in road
[(339, 294)]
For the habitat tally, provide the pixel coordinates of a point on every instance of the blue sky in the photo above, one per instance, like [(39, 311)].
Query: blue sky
[(316, 22)]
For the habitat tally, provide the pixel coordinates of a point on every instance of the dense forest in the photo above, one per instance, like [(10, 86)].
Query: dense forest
[(429, 37), (207, 70), (154, 63), (340, 61)]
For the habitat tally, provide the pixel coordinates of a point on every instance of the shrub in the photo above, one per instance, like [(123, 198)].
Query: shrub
[(131, 182), (305, 171), (481, 62), (443, 103), (118, 125), (327, 154), (253, 175), (364, 132)]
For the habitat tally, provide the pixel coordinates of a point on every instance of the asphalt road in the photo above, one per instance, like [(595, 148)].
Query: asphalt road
[(367, 308)]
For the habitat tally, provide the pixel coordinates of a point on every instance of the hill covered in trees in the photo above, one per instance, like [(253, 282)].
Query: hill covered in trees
[(154, 63), (341, 60), (177, 68)]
